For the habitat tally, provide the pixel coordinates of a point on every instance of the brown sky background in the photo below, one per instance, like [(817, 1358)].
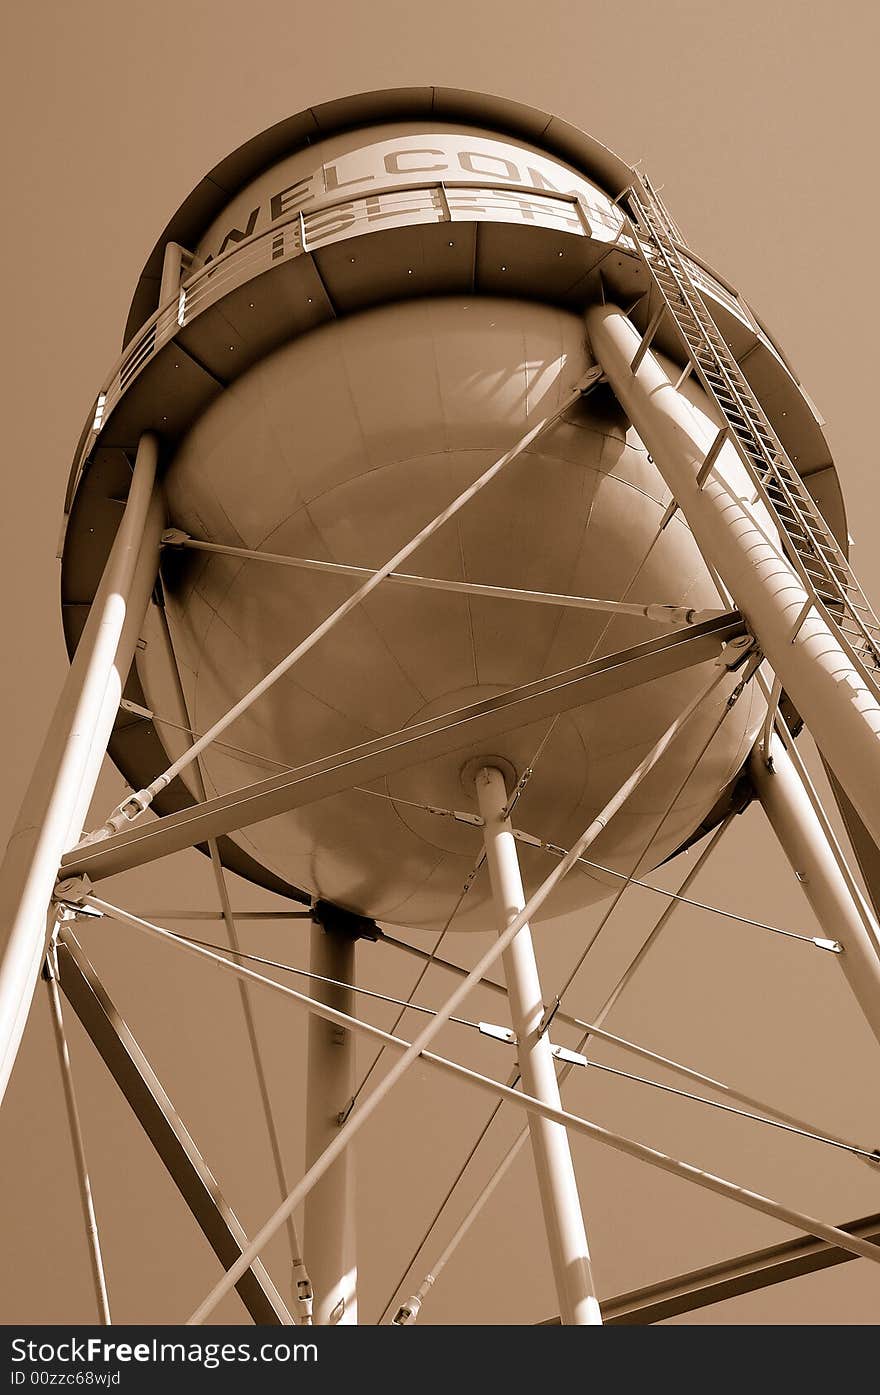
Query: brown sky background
[(761, 120)]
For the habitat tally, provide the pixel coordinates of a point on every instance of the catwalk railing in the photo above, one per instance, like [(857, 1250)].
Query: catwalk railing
[(332, 221)]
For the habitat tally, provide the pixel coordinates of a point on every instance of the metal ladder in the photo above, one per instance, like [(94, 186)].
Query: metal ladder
[(809, 544)]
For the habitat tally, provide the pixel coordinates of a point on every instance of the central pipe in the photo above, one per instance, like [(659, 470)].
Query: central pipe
[(328, 1216)]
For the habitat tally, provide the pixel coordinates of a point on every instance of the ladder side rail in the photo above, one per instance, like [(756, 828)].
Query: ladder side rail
[(813, 550), (788, 478)]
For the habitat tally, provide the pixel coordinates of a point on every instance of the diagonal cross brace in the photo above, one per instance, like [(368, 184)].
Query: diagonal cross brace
[(748, 1273), (160, 1121)]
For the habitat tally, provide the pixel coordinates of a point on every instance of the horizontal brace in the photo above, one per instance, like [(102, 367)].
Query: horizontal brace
[(478, 722), (661, 614)]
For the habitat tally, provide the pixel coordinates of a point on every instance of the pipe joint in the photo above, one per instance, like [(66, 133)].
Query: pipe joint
[(302, 1293)]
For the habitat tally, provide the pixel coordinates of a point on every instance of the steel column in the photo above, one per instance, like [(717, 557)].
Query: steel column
[(142, 585), (329, 1224), (566, 1235), (842, 917), (68, 765), (804, 651)]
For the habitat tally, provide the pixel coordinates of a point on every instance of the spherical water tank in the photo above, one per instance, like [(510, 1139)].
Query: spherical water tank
[(374, 301)]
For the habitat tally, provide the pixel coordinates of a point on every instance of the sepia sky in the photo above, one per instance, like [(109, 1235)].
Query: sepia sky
[(760, 120)]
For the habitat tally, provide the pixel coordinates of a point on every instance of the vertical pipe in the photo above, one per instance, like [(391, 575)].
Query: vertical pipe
[(79, 1149), (566, 1236), (58, 786), (843, 918), (329, 1224), (827, 688)]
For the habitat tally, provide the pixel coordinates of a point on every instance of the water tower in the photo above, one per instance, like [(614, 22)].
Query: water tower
[(446, 525)]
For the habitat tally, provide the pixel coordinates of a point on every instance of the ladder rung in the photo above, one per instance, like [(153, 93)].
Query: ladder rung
[(852, 629), (835, 580), (830, 569), (820, 578), (797, 535), (805, 535), (817, 543), (739, 423), (832, 557), (805, 531), (785, 490), (857, 605), (864, 641), (784, 502)]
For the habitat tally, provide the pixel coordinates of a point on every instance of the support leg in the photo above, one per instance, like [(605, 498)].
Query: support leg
[(566, 1236), (842, 917), (805, 652), (329, 1230), (68, 765)]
